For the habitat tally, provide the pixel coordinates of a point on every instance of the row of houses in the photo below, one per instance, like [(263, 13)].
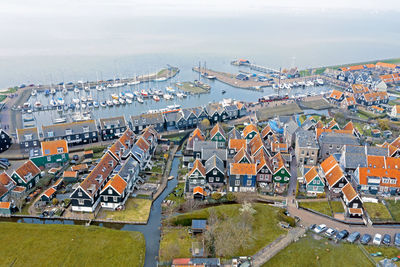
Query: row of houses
[(92, 131), (110, 183), (358, 94), (241, 161)]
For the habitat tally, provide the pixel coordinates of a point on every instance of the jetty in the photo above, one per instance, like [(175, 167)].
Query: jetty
[(195, 87)]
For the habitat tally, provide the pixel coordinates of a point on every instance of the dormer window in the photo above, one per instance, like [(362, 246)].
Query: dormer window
[(28, 137), (111, 163), (50, 134), (60, 150), (68, 132), (85, 129), (99, 178)]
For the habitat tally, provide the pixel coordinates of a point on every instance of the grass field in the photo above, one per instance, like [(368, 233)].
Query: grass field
[(265, 227), (394, 209), (190, 87), (266, 113), (69, 245), (377, 211), (337, 206), (175, 243), (177, 195), (306, 250), (316, 104), (320, 206), (136, 210)]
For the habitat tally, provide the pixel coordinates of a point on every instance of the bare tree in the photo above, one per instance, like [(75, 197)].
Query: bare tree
[(18, 199)]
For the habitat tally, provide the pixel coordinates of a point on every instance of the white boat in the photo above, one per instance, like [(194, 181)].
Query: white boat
[(75, 100), (87, 88), (140, 100), (37, 104), (129, 95), (167, 96), (211, 77), (114, 96), (64, 91), (26, 105), (116, 102), (320, 81), (103, 104), (122, 101), (89, 98), (144, 93), (133, 83), (174, 106), (83, 105), (180, 95), (129, 101), (77, 106), (60, 101), (52, 91), (83, 99), (122, 95), (60, 120), (98, 88), (136, 93), (170, 89), (95, 104), (76, 90), (156, 98), (160, 79), (109, 103), (34, 92)]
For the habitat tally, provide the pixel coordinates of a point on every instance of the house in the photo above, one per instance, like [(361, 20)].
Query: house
[(336, 97), (130, 173), (289, 132), (314, 183), (332, 125), (373, 98), (200, 113), (196, 135), (75, 133), (377, 110), (200, 262), (214, 111), (234, 134), (215, 172), (242, 77), (221, 153), (334, 175), (266, 132), (199, 146), (242, 156), (358, 89), (264, 168), (171, 118), (249, 132), (350, 197), (113, 193), (5, 141), (217, 134), (234, 145), (80, 168), (306, 147), (242, 177), (376, 133), (196, 176), (27, 175), (28, 139), (185, 119), (5, 208), (58, 184), (256, 144), (112, 128), (199, 226), (199, 193), (231, 111), (6, 186), (70, 176), (86, 197), (48, 195), (349, 102), (332, 142), (353, 156), (350, 127), (281, 175), (150, 135), (52, 153), (140, 122), (242, 110), (395, 113)]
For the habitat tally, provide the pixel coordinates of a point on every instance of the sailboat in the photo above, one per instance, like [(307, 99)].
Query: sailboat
[(103, 104), (34, 92), (52, 91), (76, 90), (129, 101), (170, 89), (140, 100), (156, 98)]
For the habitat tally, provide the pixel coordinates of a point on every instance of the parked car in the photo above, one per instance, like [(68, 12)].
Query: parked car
[(330, 232), (387, 239), (376, 254), (312, 226), (342, 234), (75, 157), (377, 239), (365, 239), (353, 237), (397, 239), (5, 161), (320, 229)]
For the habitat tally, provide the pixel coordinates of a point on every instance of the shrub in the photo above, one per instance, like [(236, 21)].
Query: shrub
[(216, 196), (55, 201), (230, 196), (282, 217)]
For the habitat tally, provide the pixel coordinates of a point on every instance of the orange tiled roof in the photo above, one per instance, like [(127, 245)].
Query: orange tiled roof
[(237, 144), (5, 205), (334, 175), (255, 144), (359, 88), (262, 159), (336, 94), (328, 164), (5, 179), (349, 192), (319, 125), (240, 154), (127, 137), (199, 190), (26, 168), (396, 142), (116, 149), (142, 144), (376, 161), (267, 129), (350, 100), (117, 183), (379, 173), (392, 163), (249, 128), (386, 65), (197, 165), (217, 128), (355, 211), (279, 147), (378, 108), (79, 167), (197, 133), (70, 174), (311, 174), (49, 192), (51, 147), (243, 169), (349, 126)]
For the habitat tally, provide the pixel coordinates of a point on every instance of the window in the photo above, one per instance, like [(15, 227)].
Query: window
[(68, 132), (115, 199), (85, 129), (79, 194), (49, 158), (214, 172), (237, 182), (248, 182), (26, 144), (86, 135), (50, 134), (28, 137), (60, 150), (105, 198), (46, 151), (81, 201), (211, 179), (109, 191), (317, 182), (217, 179)]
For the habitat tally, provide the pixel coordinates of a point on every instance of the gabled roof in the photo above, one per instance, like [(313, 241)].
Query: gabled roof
[(217, 129), (328, 164), (336, 94), (249, 128), (214, 162), (376, 161), (5, 179), (197, 133), (332, 123), (334, 175), (199, 190), (117, 183), (349, 126), (27, 168), (279, 147), (197, 165), (5, 205), (262, 159), (386, 65), (76, 127), (267, 129), (49, 192), (72, 174), (349, 192), (32, 132), (79, 167), (113, 122), (255, 144), (319, 125), (234, 134), (51, 147), (243, 169), (147, 118), (311, 174), (127, 138), (359, 88), (240, 154), (237, 144), (116, 149), (142, 144), (278, 162)]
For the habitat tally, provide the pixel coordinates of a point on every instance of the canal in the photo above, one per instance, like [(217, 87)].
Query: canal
[(151, 230)]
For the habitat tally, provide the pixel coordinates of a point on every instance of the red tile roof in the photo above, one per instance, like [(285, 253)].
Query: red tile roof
[(5, 205), (255, 144), (311, 174), (267, 129), (249, 128), (142, 144), (217, 128), (72, 174), (51, 147), (328, 164), (49, 192), (349, 192), (336, 94), (376, 161), (237, 144), (240, 154), (243, 169), (26, 168), (197, 165), (117, 183), (199, 190), (386, 65), (334, 175)]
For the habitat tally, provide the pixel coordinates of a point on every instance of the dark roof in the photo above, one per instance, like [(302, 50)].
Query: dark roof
[(199, 224), (75, 128), (234, 134), (199, 145), (306, 139), (146, 119), (338, 138), (171, 116), (208, 153), (112, 122), (21, 133), (213, 162)]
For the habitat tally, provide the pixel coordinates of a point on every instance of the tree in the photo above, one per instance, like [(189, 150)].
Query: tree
[(205, 124), (18, 199), (383, 124), (230, 196), (323, 118), (55, 201), (216, 196)]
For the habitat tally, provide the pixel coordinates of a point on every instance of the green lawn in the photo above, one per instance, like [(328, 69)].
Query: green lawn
[(306, 250), (337, 206), (2, 98), (136, 210), (69, 245), (377, 211), (265, 227), (394, 209), (175, 243), (320, 206), (178, 194), (268, 112)]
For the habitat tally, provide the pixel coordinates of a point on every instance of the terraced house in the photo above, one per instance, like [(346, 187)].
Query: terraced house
[(52, 153), (27, 175), (76, 133), (196, 176), (28, 139), (217, 134), (140, 122), (112, 128), (314, 183), (6, 186), (215, 173), (250, 131), (333, 175), (242, 177)]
